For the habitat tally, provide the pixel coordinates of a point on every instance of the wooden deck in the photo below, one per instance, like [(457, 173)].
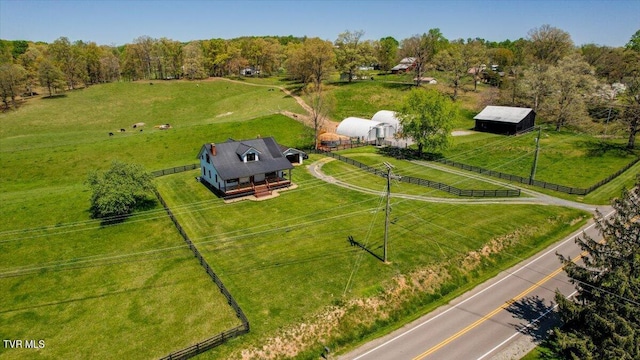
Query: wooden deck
[(258, 189)]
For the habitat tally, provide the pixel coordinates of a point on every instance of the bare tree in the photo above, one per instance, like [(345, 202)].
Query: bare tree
[(321, 104)]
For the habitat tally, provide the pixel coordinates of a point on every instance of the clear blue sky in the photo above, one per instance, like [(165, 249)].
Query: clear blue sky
[(117, 22)]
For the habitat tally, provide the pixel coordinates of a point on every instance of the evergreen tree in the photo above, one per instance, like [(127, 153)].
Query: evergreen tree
[(603, 320)]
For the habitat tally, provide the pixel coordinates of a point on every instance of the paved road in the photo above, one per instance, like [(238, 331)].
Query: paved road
[(499, 319), (484, 322)]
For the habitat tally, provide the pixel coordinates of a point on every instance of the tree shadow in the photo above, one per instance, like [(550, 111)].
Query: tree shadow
[(408, 154), (393, 85), (538, 317), (145, 204), (598, 148), (54, 97)]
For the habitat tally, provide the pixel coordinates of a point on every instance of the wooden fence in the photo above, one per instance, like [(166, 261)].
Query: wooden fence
[(218, 339), (428, 183)]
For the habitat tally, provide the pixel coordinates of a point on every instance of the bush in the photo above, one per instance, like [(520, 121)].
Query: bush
[(119, 191)]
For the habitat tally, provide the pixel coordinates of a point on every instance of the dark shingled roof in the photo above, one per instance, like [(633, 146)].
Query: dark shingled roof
[(228, 161)]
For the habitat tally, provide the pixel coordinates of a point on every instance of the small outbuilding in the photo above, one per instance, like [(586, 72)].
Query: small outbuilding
[(505, 119)]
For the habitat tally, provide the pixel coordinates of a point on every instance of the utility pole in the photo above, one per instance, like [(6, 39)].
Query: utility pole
[(535, 158), (386, 220)]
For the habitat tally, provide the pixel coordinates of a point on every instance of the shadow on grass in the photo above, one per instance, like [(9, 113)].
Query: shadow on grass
[(408, 154), (142, 205), (54, 96), (598, 148)]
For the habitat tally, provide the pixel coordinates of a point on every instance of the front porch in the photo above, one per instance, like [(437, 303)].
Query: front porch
[(255, 188)]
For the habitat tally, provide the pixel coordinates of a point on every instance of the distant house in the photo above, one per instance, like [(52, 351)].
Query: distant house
[(247, 167), (407, 64), (249, 71), (505, 119)]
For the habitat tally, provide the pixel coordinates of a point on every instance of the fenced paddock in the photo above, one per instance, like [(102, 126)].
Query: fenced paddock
[(222, 337), (427, 183), (537, 183)]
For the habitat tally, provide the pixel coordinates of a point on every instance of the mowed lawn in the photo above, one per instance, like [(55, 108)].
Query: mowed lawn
[(286, 259), (371, 157), (131, 290), (569, 159)]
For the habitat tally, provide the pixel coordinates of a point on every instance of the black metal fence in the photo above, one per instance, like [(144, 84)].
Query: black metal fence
[(542, 184), (218, 339), (174, 170), (428, 183)]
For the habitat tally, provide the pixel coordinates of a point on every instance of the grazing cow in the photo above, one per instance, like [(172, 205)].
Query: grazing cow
[(110, 134), (122, 130), (140, 130), (135, 126)]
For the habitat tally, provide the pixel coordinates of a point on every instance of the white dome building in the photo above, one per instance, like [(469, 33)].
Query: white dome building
[(363, 129), (389, 118)]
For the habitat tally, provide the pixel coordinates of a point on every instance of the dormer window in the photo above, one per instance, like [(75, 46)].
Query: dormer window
[(251, 157)]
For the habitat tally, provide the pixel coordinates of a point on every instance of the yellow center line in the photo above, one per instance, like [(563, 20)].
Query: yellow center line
[(492, 313)]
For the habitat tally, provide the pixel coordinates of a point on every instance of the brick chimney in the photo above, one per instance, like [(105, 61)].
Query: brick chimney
[(213, 149)]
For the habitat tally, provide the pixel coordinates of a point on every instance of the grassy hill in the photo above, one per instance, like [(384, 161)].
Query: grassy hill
[(73, 281)]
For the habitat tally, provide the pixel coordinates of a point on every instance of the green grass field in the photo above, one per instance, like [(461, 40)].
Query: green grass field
[(74, 282), (288, 258), (564, 158)]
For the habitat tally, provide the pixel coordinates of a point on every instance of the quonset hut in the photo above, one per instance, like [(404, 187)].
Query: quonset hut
[(389, 118), (384, 125), (364, 130)]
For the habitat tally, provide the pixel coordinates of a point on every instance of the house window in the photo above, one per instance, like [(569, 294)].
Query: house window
[(207, 157), (251, 157), (216, 177), (209, 174)]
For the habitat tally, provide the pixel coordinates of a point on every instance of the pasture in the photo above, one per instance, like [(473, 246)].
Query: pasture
[(73, 281), (287, 260)]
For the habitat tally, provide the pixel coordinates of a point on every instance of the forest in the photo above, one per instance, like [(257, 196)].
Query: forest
[(567, 85)]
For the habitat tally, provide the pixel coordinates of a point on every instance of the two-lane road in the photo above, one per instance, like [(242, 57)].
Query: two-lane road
[(488, 319)]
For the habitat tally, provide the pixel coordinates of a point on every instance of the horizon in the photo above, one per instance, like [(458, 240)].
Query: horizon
[(186, 21)]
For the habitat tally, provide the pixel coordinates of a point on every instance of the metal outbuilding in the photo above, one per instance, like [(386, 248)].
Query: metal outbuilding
[(505, 119), (363, 129), (388, 117)]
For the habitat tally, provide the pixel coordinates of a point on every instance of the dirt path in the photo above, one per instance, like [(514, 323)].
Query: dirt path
[(325, 123)]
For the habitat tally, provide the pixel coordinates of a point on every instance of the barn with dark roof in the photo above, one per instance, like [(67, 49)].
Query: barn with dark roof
[(505, 119)]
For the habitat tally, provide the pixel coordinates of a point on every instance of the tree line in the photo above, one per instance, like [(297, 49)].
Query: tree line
[(562, 82)]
